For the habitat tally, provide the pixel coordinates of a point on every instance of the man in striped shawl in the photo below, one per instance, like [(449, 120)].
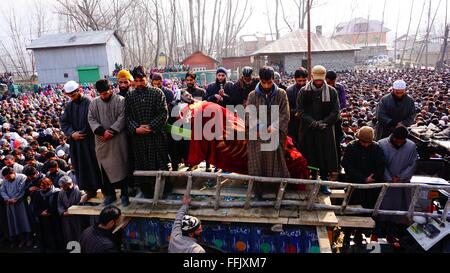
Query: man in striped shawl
[(146, 115)]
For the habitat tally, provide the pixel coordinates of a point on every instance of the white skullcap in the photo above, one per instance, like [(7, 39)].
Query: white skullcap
[(60, 153), (71, 86), (35, 134), (399, 85)]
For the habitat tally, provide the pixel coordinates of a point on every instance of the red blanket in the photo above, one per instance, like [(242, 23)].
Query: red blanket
[(231, 155)]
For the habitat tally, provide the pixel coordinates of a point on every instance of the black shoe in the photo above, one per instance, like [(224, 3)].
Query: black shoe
[(125, 201), (325, 190), (109, 200)]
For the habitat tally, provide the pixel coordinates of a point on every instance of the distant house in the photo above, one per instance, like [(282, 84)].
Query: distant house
[(235, 63), (199, 61), (84, 57), (290, 52), (369, 35), (251, 43)]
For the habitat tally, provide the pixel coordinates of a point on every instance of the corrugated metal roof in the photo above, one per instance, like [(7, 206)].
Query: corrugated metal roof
[(297, 41), (360, 25), (74, 39)]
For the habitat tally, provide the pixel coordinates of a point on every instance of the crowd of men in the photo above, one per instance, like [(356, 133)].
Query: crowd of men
[(63, 142)]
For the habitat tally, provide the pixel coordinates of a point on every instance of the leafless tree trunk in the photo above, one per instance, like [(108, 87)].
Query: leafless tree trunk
[(192, 25), (407, 33), (211, 41), (285, 18), (277, 29)]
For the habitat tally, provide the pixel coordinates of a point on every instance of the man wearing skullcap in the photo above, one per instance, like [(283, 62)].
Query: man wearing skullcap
[(124, 79), (364, 163), (75, 125), (394, 109), (318, 108)]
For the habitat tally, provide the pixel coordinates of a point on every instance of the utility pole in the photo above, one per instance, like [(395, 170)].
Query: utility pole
[(440, 64), (428, 36), (309, 38)]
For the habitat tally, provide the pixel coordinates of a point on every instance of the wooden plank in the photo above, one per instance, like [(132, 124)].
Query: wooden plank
[(217, 194), (157, 189), (355, 221), (313, 196), (324, 241), (232, 192), (280, 195), (379, 200), (337, 194), (248, 197), (254, 215), (351, 213), (289, 195)]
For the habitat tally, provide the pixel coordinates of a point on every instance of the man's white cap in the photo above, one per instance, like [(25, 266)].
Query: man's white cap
[(48, 131), (60, 153), (70, 87), (35, 134), (6, 125), (399, 85)]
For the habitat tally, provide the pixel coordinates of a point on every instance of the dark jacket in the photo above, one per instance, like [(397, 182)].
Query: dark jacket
[(196, 92), (239, 92), (359, 163), (213, 89), (97, 240)]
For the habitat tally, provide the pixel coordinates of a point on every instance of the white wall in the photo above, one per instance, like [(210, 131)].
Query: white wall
[(337, 61), (51, 63)]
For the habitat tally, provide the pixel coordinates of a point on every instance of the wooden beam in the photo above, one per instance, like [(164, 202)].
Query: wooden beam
[(217, 194), (280, 195), (355, 221), (324, 241), (248, 197)]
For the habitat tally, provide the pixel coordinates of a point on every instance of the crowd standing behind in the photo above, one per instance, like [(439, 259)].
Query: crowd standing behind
[(46, 137)]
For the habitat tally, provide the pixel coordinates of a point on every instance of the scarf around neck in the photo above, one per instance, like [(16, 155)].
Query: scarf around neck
[(50, 192), (325, 90)]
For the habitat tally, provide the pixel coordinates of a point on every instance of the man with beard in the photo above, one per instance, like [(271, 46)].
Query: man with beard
[(243, 87), (395, 109), (124, 79), (100, 238), (157, 81), (192, 89), (264, 158), (318, 108), (219, 91), (75, 125), (301, 78), (107, 120), (278, 81), (146, 118)]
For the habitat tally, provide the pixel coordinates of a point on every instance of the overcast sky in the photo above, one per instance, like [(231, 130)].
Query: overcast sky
[(329, 14)]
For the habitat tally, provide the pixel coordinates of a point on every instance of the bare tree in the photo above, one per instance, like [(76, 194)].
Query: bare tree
[(277, 8)]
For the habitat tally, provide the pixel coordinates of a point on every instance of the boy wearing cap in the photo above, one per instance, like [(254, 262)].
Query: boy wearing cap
[(318, 108), (75, 125), (394, 109)]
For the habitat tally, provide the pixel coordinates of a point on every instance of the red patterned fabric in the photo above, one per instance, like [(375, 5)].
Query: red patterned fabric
[(231, 155)]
